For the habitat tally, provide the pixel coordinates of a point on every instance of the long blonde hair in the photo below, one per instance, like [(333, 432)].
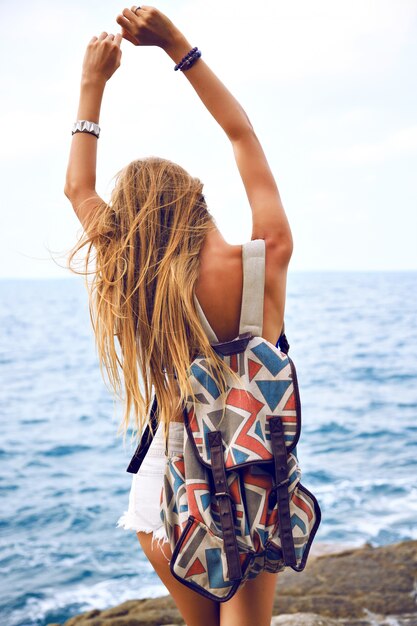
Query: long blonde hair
[(147, 241)]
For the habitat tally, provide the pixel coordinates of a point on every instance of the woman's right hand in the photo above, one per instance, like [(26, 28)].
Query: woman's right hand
[(147, 27), (102, 57)]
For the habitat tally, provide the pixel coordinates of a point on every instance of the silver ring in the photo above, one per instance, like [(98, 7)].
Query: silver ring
[(137, 9)]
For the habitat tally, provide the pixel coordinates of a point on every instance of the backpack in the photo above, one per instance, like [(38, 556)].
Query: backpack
[(232, 504)]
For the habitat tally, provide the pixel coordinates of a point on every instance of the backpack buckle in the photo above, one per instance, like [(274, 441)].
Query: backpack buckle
[(223, 493), (283, 482), (272, 499)]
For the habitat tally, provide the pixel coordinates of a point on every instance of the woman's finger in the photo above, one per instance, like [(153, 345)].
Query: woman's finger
[(123, 22), (110, 36), (118, 39), (130, 15), (102, 36), (93, 39)]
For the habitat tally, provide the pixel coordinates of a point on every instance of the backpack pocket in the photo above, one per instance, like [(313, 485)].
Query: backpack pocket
[(199, 561), (305, 516)]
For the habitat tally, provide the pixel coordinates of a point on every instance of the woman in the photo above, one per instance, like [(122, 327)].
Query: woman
[(160, 265)]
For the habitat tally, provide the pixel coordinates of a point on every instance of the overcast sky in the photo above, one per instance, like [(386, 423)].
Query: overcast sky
[(330, 88)]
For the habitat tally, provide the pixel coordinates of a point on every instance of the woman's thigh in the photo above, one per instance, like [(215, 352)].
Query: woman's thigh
[(252, 604), (194, 608)]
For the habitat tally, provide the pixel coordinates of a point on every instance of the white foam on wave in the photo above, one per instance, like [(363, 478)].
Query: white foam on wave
[(104, 594)]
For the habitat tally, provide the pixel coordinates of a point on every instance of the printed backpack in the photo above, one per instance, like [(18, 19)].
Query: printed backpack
[(232, 503)]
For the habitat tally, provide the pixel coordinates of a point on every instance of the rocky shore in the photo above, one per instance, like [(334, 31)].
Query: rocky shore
[(363, 586)]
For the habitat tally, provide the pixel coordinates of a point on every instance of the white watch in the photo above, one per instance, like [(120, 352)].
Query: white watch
[(84, 126)]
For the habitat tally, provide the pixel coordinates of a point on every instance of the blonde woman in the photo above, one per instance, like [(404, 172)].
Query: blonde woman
[(161, 272)]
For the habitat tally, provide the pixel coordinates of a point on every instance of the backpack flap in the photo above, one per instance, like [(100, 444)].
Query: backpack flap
[(269, 388)]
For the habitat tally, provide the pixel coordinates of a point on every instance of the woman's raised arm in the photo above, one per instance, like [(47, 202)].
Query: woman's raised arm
[(148, 26), (101, 60)]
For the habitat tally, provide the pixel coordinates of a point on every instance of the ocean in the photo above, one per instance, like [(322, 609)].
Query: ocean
[(63, 479)]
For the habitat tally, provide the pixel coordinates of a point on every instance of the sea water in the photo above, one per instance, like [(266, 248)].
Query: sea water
[(63, 478)]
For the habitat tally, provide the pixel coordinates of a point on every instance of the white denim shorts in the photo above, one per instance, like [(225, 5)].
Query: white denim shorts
[(145, 492)]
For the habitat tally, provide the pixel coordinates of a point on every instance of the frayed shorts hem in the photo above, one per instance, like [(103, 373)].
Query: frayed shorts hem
[(130, 522)]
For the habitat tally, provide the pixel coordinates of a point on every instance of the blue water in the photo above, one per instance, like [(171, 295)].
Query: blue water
[(63, 482)]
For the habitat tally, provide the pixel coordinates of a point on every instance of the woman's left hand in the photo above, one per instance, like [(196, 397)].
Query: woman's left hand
[(147, 26), (102, 57)]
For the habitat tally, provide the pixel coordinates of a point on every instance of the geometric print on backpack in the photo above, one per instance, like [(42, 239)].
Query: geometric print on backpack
[(189, 507)]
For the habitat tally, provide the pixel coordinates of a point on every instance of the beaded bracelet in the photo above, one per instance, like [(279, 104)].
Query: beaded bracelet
[(184, 59), (189, 60)]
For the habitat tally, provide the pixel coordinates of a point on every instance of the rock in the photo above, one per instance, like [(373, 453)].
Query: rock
[(344, 584), (372, 619), (147, 612), (353, 587)]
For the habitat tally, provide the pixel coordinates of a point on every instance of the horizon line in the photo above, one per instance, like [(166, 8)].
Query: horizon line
[(294, 271)]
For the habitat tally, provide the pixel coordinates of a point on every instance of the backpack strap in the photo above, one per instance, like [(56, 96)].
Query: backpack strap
[(145, 440), (282, 342), (224, 501), (279, 492), (252, 309), (251, 313)]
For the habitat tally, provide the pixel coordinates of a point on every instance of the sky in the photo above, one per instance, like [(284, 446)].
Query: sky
[(329, 86)]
